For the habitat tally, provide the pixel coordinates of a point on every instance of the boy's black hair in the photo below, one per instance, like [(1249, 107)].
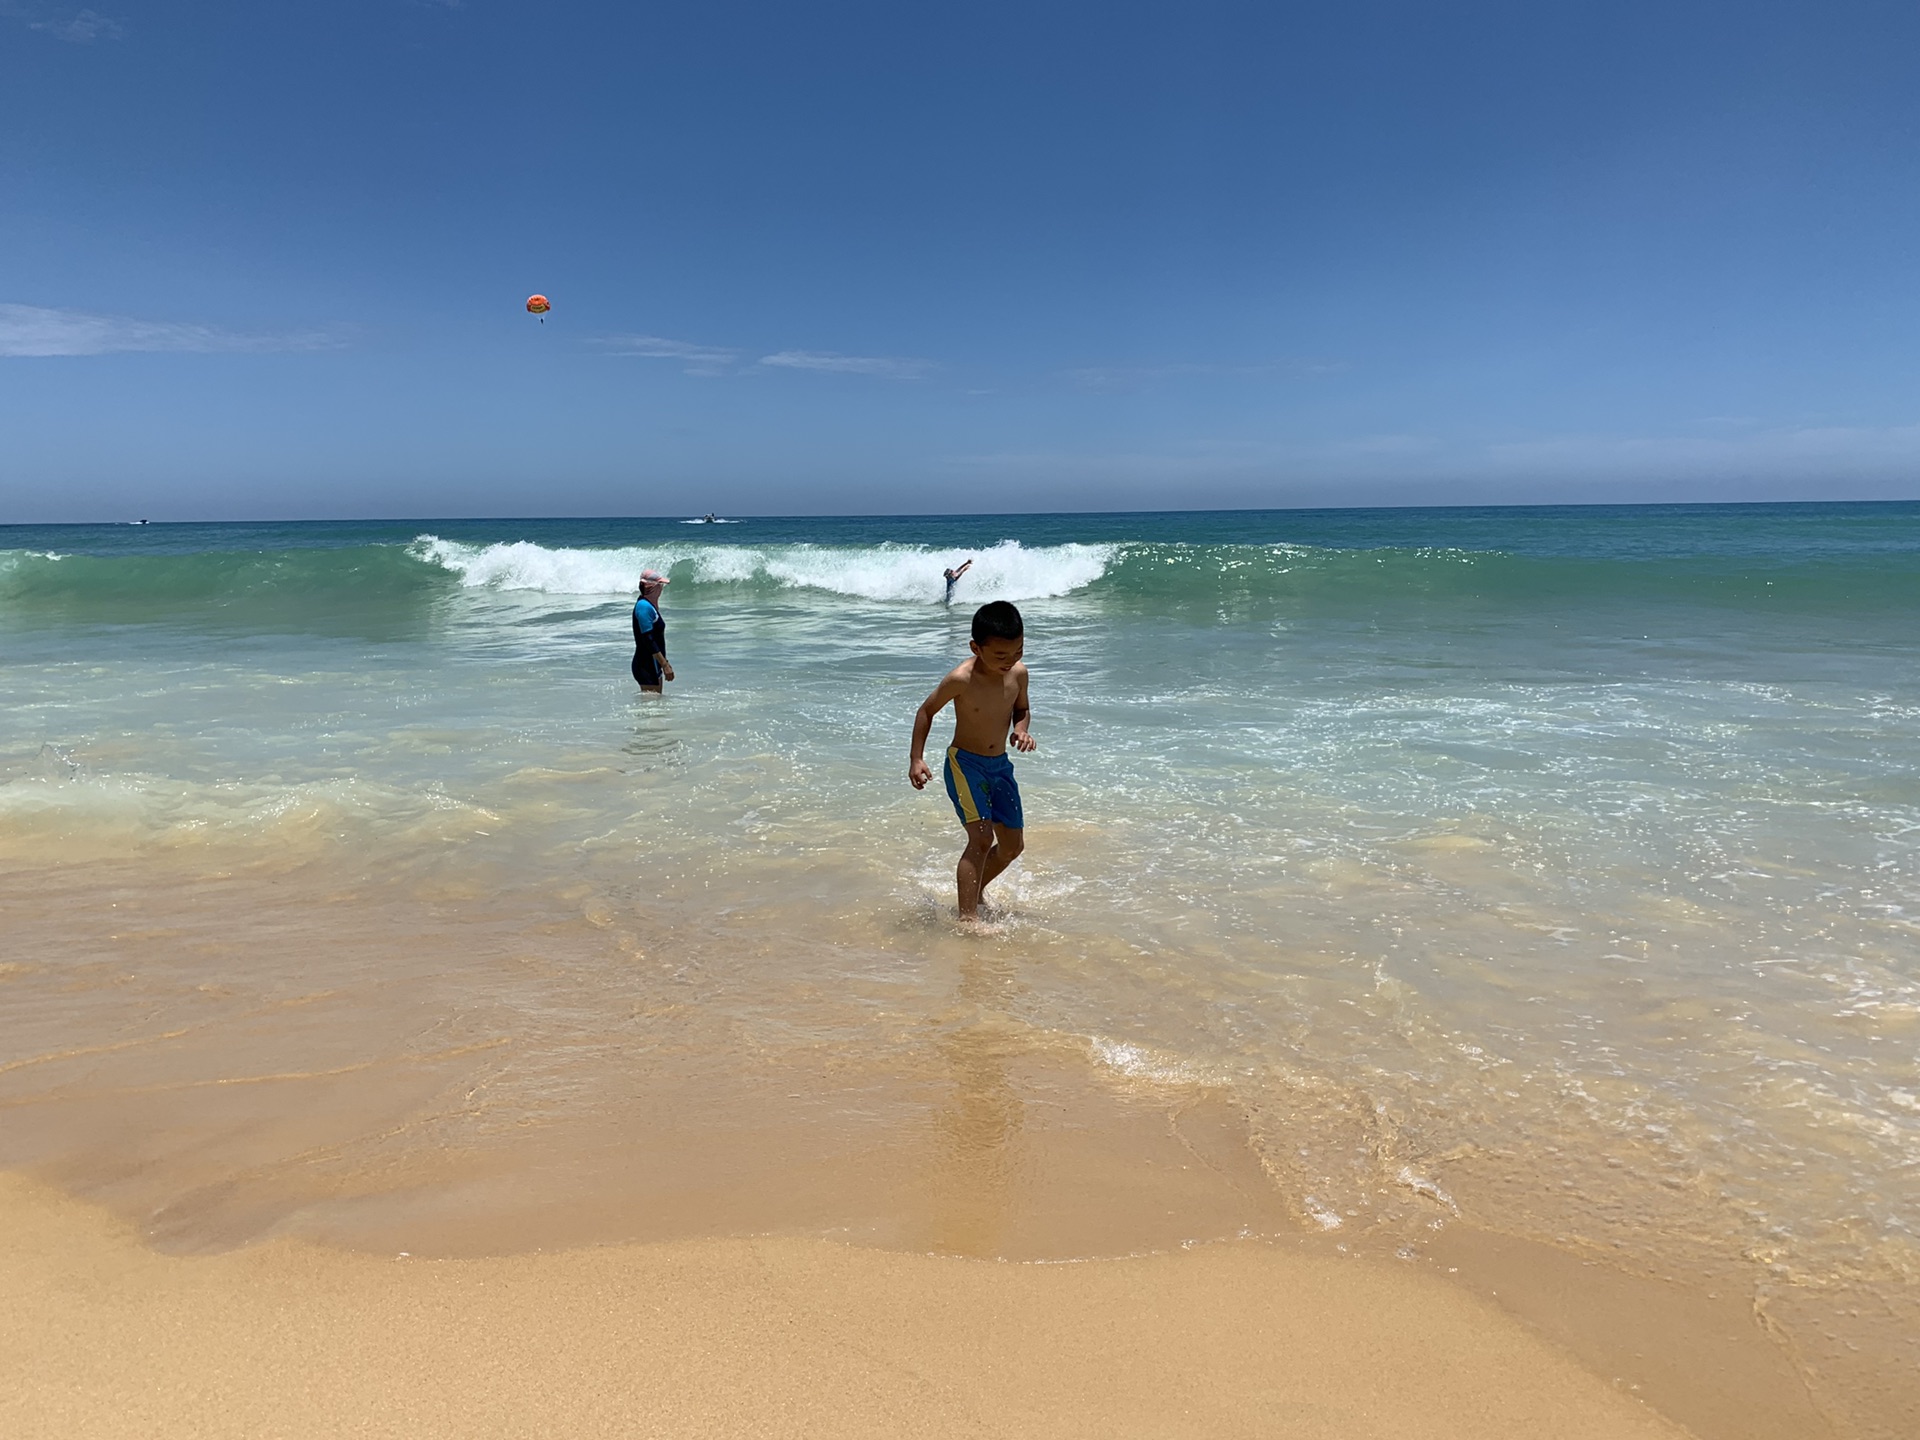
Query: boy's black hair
[(997, 620)]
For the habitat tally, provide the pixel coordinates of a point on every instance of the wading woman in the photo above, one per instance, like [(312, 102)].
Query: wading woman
[(650, 635)]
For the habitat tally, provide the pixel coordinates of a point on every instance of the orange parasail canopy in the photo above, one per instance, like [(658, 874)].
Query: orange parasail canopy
[(537, 305)]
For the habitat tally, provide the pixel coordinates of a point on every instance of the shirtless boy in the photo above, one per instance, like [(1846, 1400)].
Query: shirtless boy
[(989, 698)]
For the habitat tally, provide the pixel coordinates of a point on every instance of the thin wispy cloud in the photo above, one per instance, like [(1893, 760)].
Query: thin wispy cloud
[(77, 27), (696, 359), (886, 367), (33, 330)]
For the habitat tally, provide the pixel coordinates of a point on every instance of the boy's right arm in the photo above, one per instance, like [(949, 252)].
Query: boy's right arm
[(917, 772)]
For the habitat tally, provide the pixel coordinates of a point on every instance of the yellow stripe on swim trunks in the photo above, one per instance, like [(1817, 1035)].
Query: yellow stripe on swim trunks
[(968, 810)]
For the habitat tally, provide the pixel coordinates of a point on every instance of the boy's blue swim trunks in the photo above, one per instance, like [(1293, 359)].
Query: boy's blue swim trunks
[(982, 787)]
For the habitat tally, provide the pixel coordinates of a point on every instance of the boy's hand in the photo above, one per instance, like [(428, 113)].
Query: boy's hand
[(918, 774), (665, 668), (1023, 741)]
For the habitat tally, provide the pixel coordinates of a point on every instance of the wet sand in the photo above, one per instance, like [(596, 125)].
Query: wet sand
[(102, 1337), (263, 1133)]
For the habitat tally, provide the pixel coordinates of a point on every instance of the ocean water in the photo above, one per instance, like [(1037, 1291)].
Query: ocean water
[(1550, 871)]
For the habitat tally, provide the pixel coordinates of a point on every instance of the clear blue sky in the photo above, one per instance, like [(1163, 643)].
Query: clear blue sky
[(898, 257)]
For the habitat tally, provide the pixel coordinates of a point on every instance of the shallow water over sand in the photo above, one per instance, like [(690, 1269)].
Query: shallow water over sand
[(1547, 880)]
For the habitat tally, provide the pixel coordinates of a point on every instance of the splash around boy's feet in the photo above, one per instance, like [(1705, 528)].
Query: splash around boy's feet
[(989, 697)]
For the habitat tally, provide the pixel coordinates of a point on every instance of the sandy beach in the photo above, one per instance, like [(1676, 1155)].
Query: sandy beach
[(103, 1338)]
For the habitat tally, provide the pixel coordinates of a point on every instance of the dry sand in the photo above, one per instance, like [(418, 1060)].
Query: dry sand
[(101, 1337)]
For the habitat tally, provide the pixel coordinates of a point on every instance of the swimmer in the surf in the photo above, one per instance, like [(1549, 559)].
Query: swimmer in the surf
[(953, 578), (650, 635), (989, 698)]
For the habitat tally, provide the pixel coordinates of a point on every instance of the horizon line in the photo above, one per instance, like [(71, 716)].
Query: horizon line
[(987, 514)]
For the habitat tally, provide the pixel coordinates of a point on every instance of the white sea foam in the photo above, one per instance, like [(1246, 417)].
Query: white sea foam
[(522, 565), (1138, 1062), (1006, 571), (1323, 1215)]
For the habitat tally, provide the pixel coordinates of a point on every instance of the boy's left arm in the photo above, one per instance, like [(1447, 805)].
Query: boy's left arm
[(1021, 714)]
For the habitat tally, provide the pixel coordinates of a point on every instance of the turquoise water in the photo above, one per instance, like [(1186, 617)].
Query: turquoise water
[(1553, 869)]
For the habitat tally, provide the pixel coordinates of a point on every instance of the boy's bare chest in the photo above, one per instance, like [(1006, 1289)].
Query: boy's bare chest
[(987, 700)]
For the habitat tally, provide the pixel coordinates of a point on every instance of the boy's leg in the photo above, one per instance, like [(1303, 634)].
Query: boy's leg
[(1007, 845), (1010, 836), (976, 867)]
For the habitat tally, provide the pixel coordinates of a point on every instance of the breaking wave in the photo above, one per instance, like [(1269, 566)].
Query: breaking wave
[(1006, 571)]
